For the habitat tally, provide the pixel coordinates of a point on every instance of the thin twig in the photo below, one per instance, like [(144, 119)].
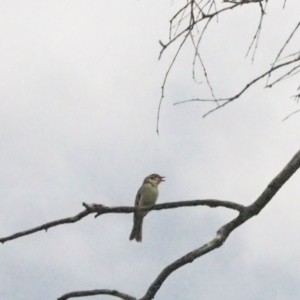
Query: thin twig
[(258, 31), (230, 99), (197, 54), (296, 111), (180, 20), (165, 80), (285, 76), (189, 27), (186, 32), (282, 48), (285, 57)]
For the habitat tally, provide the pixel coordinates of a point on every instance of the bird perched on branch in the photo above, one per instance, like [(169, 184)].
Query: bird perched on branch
[(146, 197)]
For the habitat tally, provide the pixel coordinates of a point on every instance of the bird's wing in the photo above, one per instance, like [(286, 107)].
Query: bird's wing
[(136, 203), (138, 196)]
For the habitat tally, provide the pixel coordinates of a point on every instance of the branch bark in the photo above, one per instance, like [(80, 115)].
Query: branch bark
[(222, 234), (100, 209), (96, 292)]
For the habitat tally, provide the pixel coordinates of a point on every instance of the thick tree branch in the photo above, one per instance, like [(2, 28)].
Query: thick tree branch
[(100, 209), (96, 292), (275, 185)]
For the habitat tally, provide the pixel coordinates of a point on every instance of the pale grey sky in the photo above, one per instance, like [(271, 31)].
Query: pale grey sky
[(80, 86)]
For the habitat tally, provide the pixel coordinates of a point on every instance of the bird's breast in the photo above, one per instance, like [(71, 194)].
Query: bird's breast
[(149, 196)]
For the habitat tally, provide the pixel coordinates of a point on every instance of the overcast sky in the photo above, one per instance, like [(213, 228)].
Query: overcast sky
[(80, 86)]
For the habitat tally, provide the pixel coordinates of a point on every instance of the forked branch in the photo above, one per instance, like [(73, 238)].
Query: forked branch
[(192, 20), (223, 233), (225, 101)]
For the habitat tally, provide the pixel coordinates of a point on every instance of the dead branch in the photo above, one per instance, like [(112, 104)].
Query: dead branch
[(245, 213), (282, 48), (228, 100), (223, 233), (100, 209), (258, 31), (165, 80), (96, 292), (196, 15), (46, 226), (291, 114), (192, 14)]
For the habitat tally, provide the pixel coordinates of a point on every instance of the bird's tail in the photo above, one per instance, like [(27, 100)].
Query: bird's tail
[(136, 232)]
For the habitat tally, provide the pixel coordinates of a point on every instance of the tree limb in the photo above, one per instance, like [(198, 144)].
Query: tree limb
[(100, 209), (223, 233), (46, 226), (96, 292)]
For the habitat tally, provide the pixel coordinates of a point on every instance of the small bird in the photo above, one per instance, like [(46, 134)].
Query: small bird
[(145, 197)]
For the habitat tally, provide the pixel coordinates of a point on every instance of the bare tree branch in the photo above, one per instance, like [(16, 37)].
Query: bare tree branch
[(100, 209), (96, 292), (165, 80), (197, 54), (193, 22), (289, 74), (46, 226), (245, 213), (281, 50), (291, 114), (187, 19), (191, 14), (226, 101), (258, 31)]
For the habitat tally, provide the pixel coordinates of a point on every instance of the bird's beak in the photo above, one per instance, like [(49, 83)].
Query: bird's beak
[(162, 178)]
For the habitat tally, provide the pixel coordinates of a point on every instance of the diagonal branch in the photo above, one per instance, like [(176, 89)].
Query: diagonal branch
[(96, 292), (291, 114), (226, 101), (275, 185), (100, 209)]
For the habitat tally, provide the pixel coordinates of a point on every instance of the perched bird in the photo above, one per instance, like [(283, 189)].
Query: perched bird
[(145, 197)]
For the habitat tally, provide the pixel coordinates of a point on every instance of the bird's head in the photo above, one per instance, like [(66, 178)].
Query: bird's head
[(154, 179)]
